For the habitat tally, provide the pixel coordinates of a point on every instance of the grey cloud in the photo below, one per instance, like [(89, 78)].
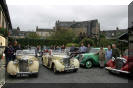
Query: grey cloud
[(30, 16)]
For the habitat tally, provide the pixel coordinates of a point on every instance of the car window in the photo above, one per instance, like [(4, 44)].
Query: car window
[(25, 52), (29, 52), (19, 52), (93, 50)]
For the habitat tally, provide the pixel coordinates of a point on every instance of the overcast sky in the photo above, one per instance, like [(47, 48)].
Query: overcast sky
[(27, 14)]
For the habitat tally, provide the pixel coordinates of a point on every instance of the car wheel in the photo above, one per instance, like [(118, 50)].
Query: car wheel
[(34, 75), (54, 69), (88, 64), (12, 76), (75, 70)]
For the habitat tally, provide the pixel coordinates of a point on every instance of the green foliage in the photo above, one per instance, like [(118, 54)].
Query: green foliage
[(33, 35), (4, 32), (35, 42), (87, 41), (63, 35), (70, 44)]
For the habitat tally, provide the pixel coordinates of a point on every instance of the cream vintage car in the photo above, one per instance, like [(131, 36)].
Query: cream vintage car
[(60, 62), (25, 64)]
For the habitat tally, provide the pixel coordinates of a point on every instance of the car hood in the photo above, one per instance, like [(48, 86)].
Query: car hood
[(87, 54)]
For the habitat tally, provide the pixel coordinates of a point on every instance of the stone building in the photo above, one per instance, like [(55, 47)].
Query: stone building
[(5, 21), (17, 33), (42, 32), (113, 34), (89, 28)]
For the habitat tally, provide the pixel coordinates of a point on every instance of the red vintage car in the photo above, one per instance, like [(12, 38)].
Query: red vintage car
[(121, 64)]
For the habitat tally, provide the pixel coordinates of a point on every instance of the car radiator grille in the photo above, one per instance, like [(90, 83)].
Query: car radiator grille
[(119, 63), (66, 62), (23, 65)]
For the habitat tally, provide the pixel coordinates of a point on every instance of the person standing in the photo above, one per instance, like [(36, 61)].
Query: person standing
[(115, 51), (72, 49), (88, 48), (82, 49), (63, 47), (9, 53), (101, 54), (108, 54)]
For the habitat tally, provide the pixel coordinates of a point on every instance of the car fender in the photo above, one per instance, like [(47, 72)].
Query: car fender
[(76, 63), (12, 69), (34, 67), (45, 60), (58, 65)]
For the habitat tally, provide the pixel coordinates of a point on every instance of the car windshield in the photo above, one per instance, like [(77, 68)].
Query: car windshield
[(25, 52), (58, 52), (93, 50)]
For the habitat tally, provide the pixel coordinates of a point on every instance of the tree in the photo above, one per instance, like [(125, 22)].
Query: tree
[(4, 32), (64, 35), (87, 41)]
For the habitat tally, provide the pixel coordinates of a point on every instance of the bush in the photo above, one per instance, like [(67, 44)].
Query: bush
[(87, 41), (70, 44), (4, 32)]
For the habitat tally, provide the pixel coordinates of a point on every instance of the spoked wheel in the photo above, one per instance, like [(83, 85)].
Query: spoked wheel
[(88, 64)]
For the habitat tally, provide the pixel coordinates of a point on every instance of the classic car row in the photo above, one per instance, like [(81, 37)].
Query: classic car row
[(61, 61)]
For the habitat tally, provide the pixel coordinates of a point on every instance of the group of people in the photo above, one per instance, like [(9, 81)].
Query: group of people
[(104, 55), (10, 51), (81, 49), (58, 47)]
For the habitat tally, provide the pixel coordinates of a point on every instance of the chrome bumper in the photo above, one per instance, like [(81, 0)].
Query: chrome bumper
[(25, 73), (70, 68), (116, 70)]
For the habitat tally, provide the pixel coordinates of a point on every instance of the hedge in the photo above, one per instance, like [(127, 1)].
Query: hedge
[(35, 42)]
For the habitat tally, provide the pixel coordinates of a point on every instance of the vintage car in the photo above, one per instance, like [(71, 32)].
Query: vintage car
[(121, 64), (59, 61), (25, 64), (89, 59)]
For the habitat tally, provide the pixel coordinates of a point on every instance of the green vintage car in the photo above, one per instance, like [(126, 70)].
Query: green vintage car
[(89, 59)]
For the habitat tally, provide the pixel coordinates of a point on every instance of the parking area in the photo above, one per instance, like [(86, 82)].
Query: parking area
[(93, 75)]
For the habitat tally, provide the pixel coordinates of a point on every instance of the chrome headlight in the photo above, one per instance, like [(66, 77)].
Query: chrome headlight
[(15, 62), (124, 60), (61, 60), (113, 59), (30, 62)]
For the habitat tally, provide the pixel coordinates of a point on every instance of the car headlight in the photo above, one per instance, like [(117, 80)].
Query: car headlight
[(15, 62), (61, 60), (124, 60), (30, 62), (113, 59)]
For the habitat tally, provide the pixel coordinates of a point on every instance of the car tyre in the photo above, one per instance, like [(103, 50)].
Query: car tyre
[(88, 64), (54, 69), (75, 70), (34, 75)]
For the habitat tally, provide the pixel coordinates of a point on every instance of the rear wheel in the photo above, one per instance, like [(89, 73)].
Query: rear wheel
[(54, 69), (88, 64), (75, 70)]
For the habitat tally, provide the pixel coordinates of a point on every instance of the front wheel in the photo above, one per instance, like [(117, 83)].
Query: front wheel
[(75, 70), (88, 64)]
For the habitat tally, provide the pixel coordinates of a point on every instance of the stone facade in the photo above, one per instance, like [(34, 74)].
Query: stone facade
[(5, 21), (44, 32), (113, 34), (90, 28)]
